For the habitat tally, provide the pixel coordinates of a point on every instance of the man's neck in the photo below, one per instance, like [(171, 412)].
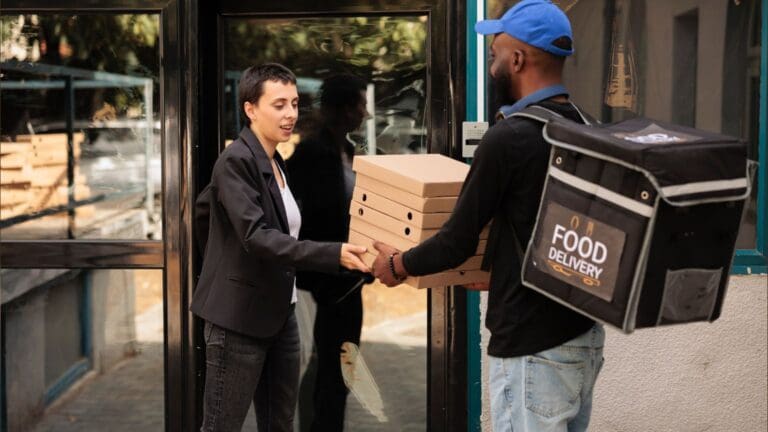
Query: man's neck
[(532, 86)]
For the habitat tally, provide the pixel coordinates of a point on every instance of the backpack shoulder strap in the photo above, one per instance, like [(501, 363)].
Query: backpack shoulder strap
[(585, 117), (537, 113), (543, 115)]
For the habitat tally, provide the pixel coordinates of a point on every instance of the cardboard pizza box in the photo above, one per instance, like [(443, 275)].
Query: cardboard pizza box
[(368, 231), (426, 175), (418, 203), (447, 278), (395, 226), (398, 227), (398, 210), (472, 263), (359, 226)]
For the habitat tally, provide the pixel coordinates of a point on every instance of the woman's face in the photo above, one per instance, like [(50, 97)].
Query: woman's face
[(274, 116)]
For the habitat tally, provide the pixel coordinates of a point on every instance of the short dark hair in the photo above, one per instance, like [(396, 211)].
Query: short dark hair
[(341, 91), (251, 85)]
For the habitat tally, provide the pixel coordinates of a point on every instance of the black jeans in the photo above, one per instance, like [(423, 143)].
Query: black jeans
[(335, 324), (241, 369)]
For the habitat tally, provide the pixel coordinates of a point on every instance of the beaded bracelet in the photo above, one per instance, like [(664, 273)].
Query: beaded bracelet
[(392, 268)]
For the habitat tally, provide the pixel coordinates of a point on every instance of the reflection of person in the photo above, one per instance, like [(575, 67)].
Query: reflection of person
[(543, 357), (322, 181), (246, 292)]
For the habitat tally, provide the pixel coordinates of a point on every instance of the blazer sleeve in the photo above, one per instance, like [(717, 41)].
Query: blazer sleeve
[(202, 218), (239, 194)]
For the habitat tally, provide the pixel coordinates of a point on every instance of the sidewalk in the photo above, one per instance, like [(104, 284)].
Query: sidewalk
[(130, 397)]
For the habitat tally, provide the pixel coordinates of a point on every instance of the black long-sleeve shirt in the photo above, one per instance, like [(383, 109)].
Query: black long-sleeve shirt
[(504, 183)]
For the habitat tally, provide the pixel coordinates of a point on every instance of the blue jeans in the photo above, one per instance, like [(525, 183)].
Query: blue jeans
[(548, 391), (242, 369)]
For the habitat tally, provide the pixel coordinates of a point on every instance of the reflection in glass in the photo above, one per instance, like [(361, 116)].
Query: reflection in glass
[(389, 53), (387, 374), (695, 64), (80, 130), (83, 349)]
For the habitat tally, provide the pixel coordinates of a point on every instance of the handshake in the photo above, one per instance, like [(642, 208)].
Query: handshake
[(388, 267), (398, 202)]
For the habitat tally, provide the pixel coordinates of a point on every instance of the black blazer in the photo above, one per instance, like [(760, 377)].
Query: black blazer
[(317, 181), (250, 259)]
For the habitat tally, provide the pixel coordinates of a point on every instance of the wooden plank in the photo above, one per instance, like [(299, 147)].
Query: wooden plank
[(54, 175), (12, 210), (57, 156), (14, 195), (48, 149), (43, 197), (14, 147), (9, 176), (46, 138), (13, 160)]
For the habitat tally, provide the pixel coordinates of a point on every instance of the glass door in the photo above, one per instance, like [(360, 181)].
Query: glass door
[(399, 62)]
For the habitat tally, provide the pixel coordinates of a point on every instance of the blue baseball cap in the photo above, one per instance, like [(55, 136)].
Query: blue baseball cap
[(536, 22)]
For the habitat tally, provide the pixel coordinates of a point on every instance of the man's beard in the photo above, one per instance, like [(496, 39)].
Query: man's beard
[(503, 86)]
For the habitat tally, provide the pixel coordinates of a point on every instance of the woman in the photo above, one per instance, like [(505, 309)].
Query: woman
[(247, 293)]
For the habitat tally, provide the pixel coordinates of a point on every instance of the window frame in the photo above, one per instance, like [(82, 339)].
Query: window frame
[(173, 253), (755, 261)]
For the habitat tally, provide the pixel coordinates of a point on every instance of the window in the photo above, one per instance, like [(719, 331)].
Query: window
[(80, 129)]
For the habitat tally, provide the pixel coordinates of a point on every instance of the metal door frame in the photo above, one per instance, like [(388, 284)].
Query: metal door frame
[(446, 356)]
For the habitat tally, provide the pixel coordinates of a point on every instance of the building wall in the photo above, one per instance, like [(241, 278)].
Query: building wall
[(692, 377), (660, 18)]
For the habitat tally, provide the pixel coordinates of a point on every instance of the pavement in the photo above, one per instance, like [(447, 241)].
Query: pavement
[(129, 397)]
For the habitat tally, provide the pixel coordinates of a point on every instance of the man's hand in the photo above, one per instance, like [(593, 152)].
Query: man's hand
[(381, 268), (350, 257)]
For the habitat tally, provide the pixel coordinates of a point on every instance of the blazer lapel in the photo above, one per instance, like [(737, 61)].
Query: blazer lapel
[(265, 168)]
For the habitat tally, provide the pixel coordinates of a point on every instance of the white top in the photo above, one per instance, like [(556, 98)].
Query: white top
[(294, 219)]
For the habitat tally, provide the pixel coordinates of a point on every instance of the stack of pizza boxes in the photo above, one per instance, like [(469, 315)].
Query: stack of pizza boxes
[(402, 200)]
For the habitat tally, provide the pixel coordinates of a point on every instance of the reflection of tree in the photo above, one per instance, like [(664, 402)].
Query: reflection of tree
[(387, 50), (367, 46), (124, 44), (390, 52)]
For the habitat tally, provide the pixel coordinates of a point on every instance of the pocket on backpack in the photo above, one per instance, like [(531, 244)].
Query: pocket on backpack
[(689, 295)]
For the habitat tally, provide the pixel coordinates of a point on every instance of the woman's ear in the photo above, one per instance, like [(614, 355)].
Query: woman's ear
[(250, 110)]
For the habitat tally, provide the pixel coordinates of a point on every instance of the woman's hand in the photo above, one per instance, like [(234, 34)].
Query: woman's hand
[(350, 257)]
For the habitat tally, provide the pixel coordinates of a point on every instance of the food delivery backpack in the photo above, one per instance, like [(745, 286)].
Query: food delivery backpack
[(638, 220)]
